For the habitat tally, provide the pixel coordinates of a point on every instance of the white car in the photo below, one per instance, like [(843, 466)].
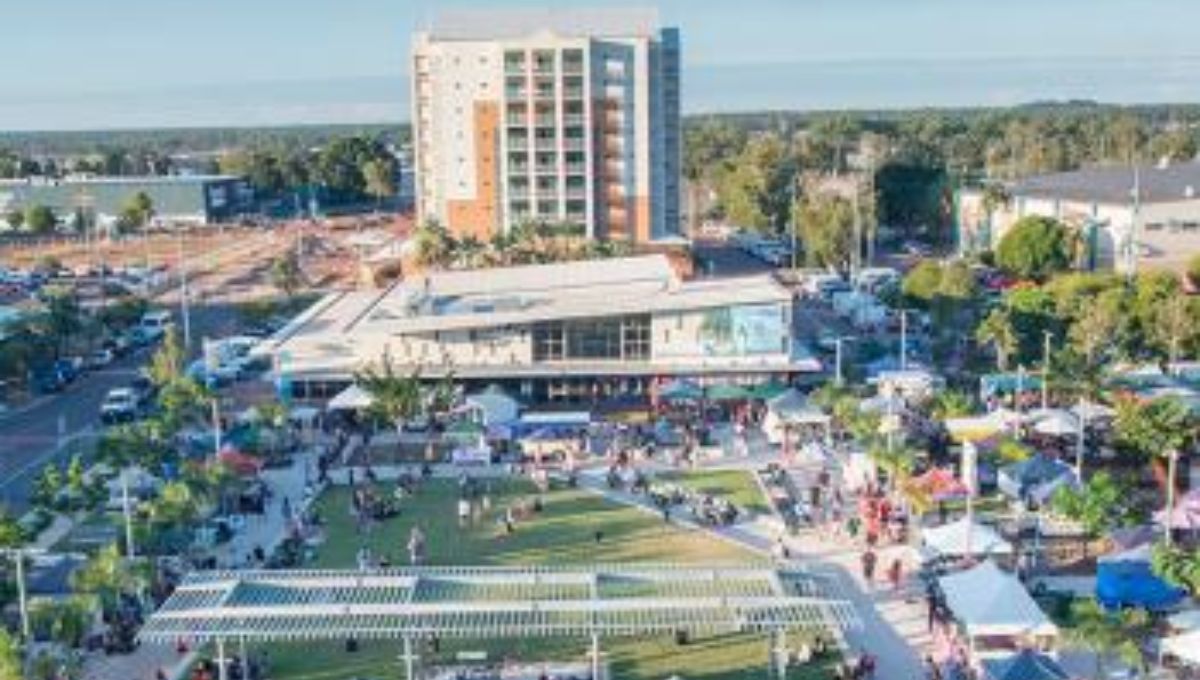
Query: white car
[(100, 358), (120, 405)]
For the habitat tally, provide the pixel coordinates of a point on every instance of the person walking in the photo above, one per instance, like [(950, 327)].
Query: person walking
[(868, 566), (895, 571)]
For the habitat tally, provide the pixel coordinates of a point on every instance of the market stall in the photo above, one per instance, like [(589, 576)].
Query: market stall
[(963, 537), (995, 613)]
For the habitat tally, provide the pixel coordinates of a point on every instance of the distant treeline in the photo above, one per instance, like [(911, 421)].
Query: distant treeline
[(171, 141)]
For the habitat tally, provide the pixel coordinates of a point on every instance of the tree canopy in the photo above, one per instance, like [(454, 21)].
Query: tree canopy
[(1034, 248)]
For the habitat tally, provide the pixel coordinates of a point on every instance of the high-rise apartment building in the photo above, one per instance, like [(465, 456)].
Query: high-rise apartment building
[(548, 116)]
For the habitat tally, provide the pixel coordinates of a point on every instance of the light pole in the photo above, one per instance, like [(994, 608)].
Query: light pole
[(1172, 462), (127, 511), (1081, 443), (903, 339), (839, 379), (19, 555), (183, 297), (1046, 335)]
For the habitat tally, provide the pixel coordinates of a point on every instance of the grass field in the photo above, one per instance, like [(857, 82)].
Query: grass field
[(735, 486), (563, 533)]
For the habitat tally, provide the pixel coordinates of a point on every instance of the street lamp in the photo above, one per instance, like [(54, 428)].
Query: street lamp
[(1172, 462), (19, 555), (1046, 335), (838, 377), (903, 339)]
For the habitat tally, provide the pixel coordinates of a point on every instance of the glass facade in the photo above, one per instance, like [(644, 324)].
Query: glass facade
[(611, 339)]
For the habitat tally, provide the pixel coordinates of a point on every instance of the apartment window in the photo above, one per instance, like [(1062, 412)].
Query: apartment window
[(548, 342), (635, 338)]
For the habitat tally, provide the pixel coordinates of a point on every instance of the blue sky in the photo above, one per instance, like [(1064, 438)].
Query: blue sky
[(131, 63)]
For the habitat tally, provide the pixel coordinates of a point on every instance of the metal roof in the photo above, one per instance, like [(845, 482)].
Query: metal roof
[(491, 602), (513, 24), (1115, 184)]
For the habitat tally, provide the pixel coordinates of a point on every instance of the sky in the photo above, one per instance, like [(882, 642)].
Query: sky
[(86, 64)]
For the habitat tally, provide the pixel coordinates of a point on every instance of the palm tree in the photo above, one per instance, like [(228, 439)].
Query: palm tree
[(395, 398), (1110, 635), (470, 252), (951, 404), (1179, 566), (997, 330), (434, 245)]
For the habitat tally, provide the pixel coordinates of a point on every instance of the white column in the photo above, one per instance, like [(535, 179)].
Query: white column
[(222, 670), (408, 659), (22, 599), (245, 658)]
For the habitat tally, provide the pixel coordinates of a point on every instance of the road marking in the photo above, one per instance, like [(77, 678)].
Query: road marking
[(41, 460)]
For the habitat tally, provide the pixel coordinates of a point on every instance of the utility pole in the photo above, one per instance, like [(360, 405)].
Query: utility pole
[(19, 554), (903, 339)]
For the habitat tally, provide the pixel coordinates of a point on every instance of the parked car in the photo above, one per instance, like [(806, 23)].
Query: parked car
[(100, 358)]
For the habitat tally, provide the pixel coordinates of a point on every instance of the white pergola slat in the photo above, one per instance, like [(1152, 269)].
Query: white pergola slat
[(491, 602)]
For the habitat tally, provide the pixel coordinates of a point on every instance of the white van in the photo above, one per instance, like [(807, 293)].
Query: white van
[(155, 324)]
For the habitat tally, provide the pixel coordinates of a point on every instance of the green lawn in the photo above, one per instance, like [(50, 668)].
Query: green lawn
[(737, 486), (563, 533)]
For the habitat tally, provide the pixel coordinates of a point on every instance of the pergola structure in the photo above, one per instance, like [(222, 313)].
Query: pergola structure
[(416, 603)]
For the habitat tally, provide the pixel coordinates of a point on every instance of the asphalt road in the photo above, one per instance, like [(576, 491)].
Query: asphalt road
[(32, 436)]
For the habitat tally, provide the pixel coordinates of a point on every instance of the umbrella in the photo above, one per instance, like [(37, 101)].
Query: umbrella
[(353, 398), (240, 463), (1185, 620), (768, 391), (727, 393), (941, 484), (1092, 411), (680, 390), (788, 403), (1055, 423), (464, 429)]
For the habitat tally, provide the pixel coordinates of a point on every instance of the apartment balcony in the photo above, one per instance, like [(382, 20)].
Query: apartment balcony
[(574, 119), (574, 144), (518, 144), (577, 193), (514, 68), (543, 68), (547, 194), (545, 120), (547, 145), (576, 168), (576, 217), (518, 168), (516, 93), (574, 92), (546, 168)]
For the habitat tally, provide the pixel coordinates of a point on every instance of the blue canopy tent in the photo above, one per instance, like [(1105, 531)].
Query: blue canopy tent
[(1126, 580)]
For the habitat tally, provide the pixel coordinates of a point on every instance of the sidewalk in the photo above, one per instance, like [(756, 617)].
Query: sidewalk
[(266, 531), (892, 629)]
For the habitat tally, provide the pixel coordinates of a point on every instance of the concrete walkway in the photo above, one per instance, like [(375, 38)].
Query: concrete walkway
[(265, 531), (893, 627)]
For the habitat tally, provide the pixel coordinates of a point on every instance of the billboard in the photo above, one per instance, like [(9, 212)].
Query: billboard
[(748, 330)]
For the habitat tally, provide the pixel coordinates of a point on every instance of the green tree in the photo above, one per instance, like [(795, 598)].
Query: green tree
[(1178, 565), (379, 178), (1034, 248), (1097, 326), (63, 317), (1150, 430), (436, 247), (1176, 325), (47, 486), (998, 332), (39, 219), (137, 211), (15, 219), (286, 274), (826, 226), (1110, 635), (755, 190), (922, 283), (1101, 505), (952, 404), (396, 398), (76, 480), (10, 657), (166, 364)]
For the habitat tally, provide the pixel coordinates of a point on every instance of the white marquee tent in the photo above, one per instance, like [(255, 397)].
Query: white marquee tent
[(353, 398), (1184, 647), (960, 536), (990, 602), (493, 407)]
